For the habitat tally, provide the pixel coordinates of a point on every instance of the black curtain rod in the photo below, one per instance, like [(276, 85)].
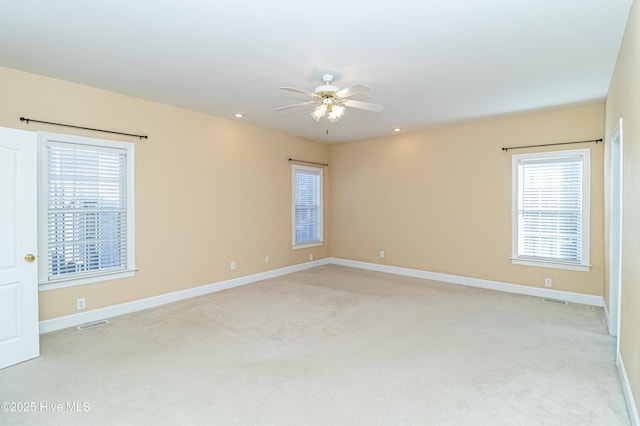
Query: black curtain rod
[(507, 148), (309, 162), (83, 128)]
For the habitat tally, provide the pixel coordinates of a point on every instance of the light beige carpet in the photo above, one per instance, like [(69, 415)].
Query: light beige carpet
[(331, 346)]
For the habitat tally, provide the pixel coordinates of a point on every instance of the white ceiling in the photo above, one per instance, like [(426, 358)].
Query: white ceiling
[(429, 62)]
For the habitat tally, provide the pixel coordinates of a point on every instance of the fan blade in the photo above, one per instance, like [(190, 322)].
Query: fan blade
[(356, 89), (296, 105), (304, 92), (363, 105)]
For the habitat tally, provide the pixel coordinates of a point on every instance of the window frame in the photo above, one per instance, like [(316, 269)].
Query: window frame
[(311, 170), (553, 156), (46, 283)]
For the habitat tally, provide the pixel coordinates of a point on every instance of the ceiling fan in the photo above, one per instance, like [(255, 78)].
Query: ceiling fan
[(332, 100)]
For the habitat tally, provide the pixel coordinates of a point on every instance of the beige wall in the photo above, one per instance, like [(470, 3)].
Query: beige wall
[(440, 200), (208, 190), (624, 101)]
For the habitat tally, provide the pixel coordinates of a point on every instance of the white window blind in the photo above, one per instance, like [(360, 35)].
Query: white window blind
[(552, 207), (307, 205), (86, 209)]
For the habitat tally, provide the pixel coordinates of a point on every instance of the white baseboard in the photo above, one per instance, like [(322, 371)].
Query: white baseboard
[(628, 393), (584, 299), (73, 320), (606, 317)]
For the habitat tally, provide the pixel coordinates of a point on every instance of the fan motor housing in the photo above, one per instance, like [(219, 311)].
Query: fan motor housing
[(326, 88)]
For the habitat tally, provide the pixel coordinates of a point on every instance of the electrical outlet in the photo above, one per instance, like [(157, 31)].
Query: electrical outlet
[(233, 265), (266, 259), (311, 257), (80, 304), (381, 254), (548, 282)]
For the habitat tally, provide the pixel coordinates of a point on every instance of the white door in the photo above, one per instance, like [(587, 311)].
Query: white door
[(19, 337)]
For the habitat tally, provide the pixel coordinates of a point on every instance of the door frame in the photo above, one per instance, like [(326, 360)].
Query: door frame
[(615, 232)]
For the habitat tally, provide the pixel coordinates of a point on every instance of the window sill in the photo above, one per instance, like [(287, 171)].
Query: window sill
[(63, 283), (551, 264), (307, 245)]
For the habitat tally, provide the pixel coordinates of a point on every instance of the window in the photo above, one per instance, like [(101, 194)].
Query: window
[(307, 206), (550, 223), (86, 210)]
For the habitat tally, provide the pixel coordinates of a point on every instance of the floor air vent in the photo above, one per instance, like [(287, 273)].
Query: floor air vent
[(562, 302), (92, 324)]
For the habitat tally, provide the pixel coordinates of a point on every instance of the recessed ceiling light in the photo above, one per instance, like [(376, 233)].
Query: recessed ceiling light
[(238, 114), (396, 129)]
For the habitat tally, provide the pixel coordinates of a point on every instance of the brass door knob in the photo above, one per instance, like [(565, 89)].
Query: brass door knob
[(29, 257)]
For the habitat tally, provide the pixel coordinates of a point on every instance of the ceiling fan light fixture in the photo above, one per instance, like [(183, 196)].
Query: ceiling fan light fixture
[(319, 112), (335, 113), (332, 111)]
